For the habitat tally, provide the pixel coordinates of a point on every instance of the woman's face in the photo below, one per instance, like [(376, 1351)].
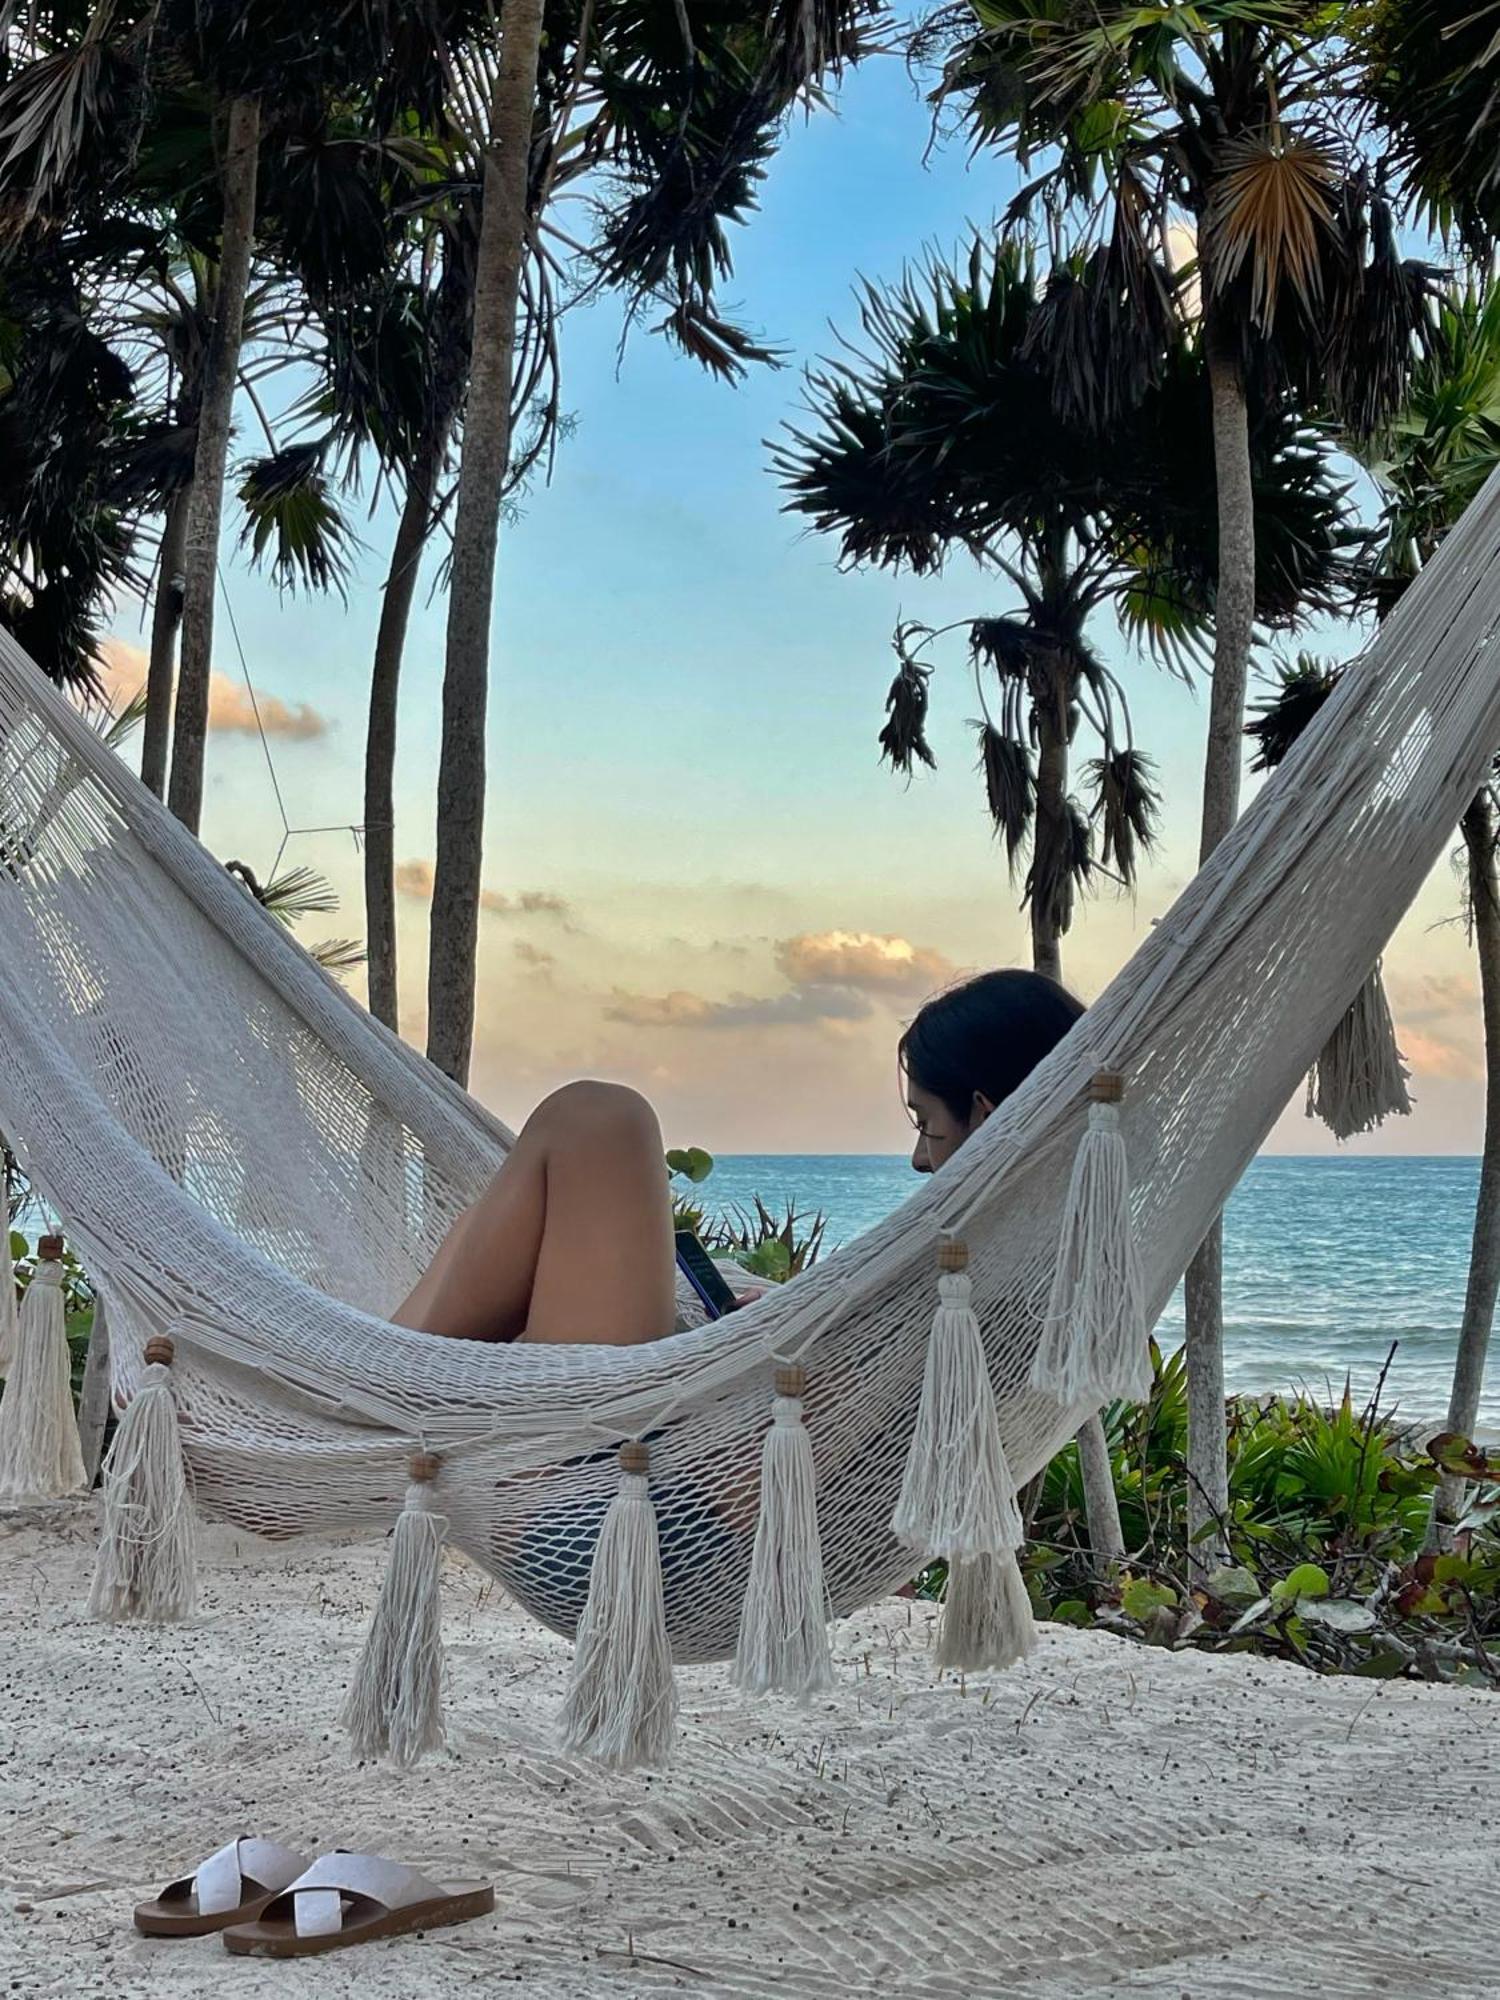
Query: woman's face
[(939, 1133)]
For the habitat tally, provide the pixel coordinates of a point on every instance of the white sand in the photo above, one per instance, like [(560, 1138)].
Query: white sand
[(1105, 1818)]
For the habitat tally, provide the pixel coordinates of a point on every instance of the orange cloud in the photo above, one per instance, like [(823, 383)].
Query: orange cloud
[(231, 707), (415, 879), (831, 977), (1437, 1055), (862, 959)]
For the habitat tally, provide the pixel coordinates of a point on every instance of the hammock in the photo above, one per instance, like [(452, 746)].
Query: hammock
[(253, 1166)]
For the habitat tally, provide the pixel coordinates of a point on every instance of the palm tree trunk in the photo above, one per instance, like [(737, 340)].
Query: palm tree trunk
[(476, 533), (166, 616), (1479, 833), (380, 737), (1234, 629), (210, 461), (1101, 1507), (1048, 836)]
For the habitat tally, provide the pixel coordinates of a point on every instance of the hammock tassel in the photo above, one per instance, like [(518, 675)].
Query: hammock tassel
[(986, 1619), (1094, 1344), (783, 1643), (395, 1700), (621, 1706), (40, 1456), (9, 1322), (145, 1568), (1359, 1079), (957, 1497)]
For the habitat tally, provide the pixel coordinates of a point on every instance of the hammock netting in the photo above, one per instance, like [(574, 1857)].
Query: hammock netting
[(252, 1165)]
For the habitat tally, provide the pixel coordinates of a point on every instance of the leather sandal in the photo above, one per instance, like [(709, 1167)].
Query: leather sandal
[(345, 1899), (233, 1885)]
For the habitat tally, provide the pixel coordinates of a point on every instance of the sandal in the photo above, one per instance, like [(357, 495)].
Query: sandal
[(347, 1899), (233, 1885)]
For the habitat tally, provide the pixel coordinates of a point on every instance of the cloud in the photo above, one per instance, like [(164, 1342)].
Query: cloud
[(531, 954), (415, 879), (231, 708), (833, 979), (1429, 996), (862, 959), (742, 1010), (1434, 1055)]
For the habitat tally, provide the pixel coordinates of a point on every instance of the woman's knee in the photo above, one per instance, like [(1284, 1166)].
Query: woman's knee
[(599, 1109)]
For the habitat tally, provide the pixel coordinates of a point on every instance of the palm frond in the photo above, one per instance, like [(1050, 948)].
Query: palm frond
[(903, 740), (298, 892), (1276, 721), (291, 513), (1127, 805), (1270, 216), (1010, 788)]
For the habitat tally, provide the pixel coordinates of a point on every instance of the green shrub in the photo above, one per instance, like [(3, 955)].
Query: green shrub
[(1329, 1511)]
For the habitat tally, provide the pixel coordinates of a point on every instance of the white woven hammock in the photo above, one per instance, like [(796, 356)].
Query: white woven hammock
[(249, 1163)]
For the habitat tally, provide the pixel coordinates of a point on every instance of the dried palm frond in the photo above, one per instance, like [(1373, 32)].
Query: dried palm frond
[(1007, 644), (904, 737), (1010, 787), (1062, 866), (1271, 212), (1126, 804), (1380, 321)]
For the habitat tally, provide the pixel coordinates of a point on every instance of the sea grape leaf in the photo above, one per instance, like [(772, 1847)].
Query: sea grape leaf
[(1341, 1614), (1232, 1584), (1141, 1597), (1306, 1580)]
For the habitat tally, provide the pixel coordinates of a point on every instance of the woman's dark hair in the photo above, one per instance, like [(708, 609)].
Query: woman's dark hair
[(988, 1035)]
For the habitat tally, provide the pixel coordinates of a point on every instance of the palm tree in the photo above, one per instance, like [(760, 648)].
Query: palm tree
[(676, 116), (1241, 120), (940, 436)]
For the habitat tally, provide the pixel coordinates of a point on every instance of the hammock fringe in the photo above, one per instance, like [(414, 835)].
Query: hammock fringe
[(9, 1321), (986, 1619), (1093, 1344), (783, 1641), (1360, 1077), (957, 1497), (40, 1456), (621, 1706), (146, 1567), (395, 1700)]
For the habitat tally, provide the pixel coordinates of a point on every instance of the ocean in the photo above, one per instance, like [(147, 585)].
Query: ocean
[(1327, 1264)]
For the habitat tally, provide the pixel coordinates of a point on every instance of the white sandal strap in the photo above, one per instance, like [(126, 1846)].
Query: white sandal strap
[(318, 1892), (219, 1881)]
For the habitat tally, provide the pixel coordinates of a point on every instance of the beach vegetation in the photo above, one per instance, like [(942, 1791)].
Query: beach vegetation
[(1326, 1558)]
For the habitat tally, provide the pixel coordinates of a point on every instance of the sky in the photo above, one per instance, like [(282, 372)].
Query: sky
[(699, 878)]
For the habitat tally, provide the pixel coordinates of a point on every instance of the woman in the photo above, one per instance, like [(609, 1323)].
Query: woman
[(572, 1240)]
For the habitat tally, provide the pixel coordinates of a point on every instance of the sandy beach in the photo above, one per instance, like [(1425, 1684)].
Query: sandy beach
[(1106, 1818)]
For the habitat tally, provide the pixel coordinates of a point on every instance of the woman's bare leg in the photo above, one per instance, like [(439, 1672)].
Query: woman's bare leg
[(572, 1240)]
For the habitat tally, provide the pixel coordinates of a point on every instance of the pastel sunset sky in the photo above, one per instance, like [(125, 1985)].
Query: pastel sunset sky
[(699, 878)]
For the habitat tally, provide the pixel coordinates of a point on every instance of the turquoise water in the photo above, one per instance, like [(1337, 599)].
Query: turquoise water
[(1327, 1263)]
